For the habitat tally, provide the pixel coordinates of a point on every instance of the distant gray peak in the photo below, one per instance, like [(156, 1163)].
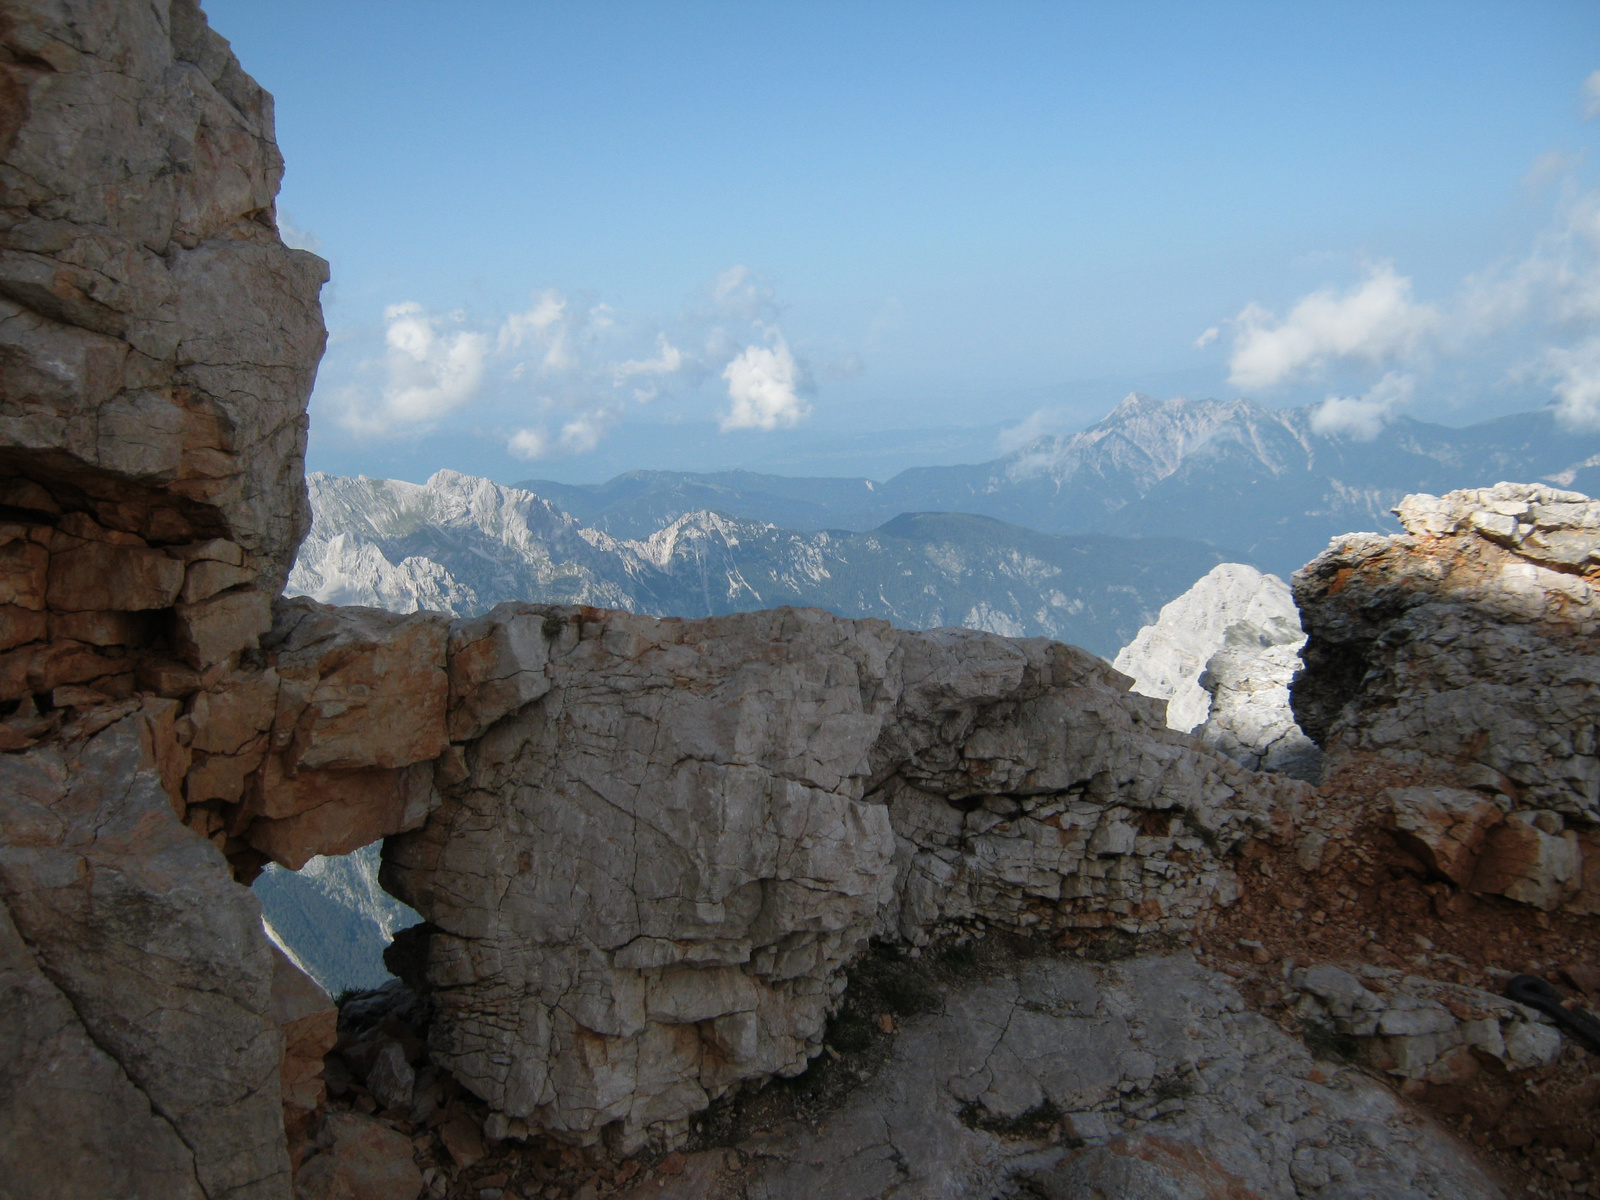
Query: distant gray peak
[(1147, 440)]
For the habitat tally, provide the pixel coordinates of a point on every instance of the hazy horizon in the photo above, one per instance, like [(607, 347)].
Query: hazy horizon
[(571, 240)]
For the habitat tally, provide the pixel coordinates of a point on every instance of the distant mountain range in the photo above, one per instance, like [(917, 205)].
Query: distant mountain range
[(1259, 484), (461, 544), (334, 918)]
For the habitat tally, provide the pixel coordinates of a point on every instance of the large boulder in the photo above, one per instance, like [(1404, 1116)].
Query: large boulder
[(643, 883)]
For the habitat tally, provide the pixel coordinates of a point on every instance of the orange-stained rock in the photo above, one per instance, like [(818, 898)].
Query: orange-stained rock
[(213, 630), (106, 576), (44, 667), (1586, 899), (463, 1139), (310, 1025), (496, 666), (234, 714), (223, 776), (19, 626), (684, 1177), (358, 1158), (23, 567), (1444, 827), (1523, 862), (207, 577), (106, 628), (360, 687), (215, 549), (335, 812)]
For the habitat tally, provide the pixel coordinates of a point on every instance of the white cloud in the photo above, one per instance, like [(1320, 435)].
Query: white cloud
[(1206, 338), (556, 376), (533, 325), (529, 444), (1591, 94), (1038, 423), (583, 433), (1557, 282), (578, 436), (1577, 387), (740, 293), (429, 371), (1362, 418), (763, 383), (296, 238), (1372, 323), (667, 360), (1550, 167)]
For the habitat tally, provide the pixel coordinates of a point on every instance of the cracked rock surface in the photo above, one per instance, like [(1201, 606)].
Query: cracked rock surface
[(1467, 651), (1145, 1080), (1222, 655), (643, 883), (152, 962)]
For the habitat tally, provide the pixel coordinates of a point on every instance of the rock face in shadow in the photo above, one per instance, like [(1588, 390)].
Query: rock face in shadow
[(1466, 651), (646, 876)]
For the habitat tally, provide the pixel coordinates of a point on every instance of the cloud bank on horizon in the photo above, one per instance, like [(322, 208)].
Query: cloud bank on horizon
[(555, 378), (1378, 329), (568, 368)]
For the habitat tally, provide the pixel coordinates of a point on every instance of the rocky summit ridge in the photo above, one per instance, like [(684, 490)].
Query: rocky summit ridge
[(767, 904)]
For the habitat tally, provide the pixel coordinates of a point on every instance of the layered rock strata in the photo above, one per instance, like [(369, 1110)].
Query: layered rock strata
[(1467, 653)]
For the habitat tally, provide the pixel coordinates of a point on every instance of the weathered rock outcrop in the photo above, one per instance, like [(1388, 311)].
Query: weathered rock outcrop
[(157, 346), (644, 880), (1142, 1081), (1465, 652), (1222, 655), (160, 340)]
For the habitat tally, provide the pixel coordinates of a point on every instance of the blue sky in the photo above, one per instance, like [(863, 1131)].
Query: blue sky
[(569, 239)]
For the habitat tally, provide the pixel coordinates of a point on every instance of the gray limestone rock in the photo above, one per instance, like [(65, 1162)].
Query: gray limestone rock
[(137, 922), (646, 880), (1143, 1080), (76, 1127), (1414, 1027), (1222, 655)]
